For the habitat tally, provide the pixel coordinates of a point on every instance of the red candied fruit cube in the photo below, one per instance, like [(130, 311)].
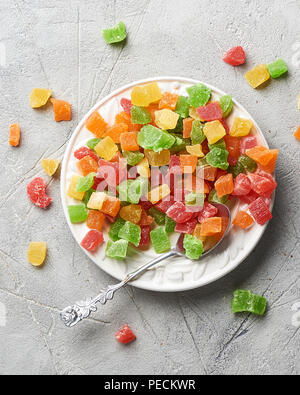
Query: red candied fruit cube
[(145, 203), (179, 213), (249, 198), (208, 211), (260, 211), (262, 185), (235, 56), (36, 191), (187, 227), (210, 112), (125, 335), (247, 143), (145, 235), (92, 240), (174, 165), (165, 204), (225, 125), (242, 185), (85, 151), (126, 105), (112, 172)]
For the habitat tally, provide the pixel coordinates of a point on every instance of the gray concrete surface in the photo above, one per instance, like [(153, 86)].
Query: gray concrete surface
[(58, 44)]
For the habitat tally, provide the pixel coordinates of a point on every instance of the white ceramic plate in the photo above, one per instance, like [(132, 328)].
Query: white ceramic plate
[(178, 274)]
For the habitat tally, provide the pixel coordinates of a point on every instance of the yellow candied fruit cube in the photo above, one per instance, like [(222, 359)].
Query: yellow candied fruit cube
[(154, 92), (241, 127), (50, 166), (36, 253), (257, 76), (158, 193), (96, 200), (158, 159), (106, 148), (166, 119), (72, 191), (143, 168), (144, 95), (193, 114), (214, 131), (39, 97), (195, 150)]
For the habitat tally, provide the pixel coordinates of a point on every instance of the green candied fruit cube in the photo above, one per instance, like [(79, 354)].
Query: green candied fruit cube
[(202, 162), (277, 68), (183, 107), (214, 198), (78, 213), (179, 145), (155, 139), (248, 163), (159, 217), (140, 115), (195, 199), (132, 190), (219, 144), (170, 225), (123, 190), (197, 134), (217, 157), (133, 158), (236, 170), (93, 142), (193, 247), (179, 127), (131, 233), (116, 249), (87, 196), (226, 105), (84, 184), (199, 95), (160, 240), (246, 301), (115, 34), (115, 228)]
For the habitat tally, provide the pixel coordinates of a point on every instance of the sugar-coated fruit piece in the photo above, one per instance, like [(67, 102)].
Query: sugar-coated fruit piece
[(39, 97), (277, 68), (72, 190), (145, 236), (243, 219), (224, 185), (131, 213), (95, 220), (144, 95), (187, 227), (62, 110), (193, 247), (126, 105), (226, 105), (187, 127), (241, 127), (211, 226), (107, 148), (182, 106), (208, 211), (115, 228), (50, 166), (257, 76), (166, 119), (133, 158), (263, 184), (217, 157), (210, 112), (270, 167), (115, 34), (77, 213), (195, 150), (178, 212), (96, 200), (129, 141), (84, 184), (145, 219), (260, 155), (188, 163), (87, 165), (260, 211), (116, 249), (115, 131), (197, 133), (130, 232), (36, 191), (96, 124), (232, 145), (140, 115), (199, 95), (214, 131), (158, 216), (297, 134), (125, 335), (169, 225), (245, 301), (168, 100), (242, 185), (36, 253), (92, 240), (111, 206), (155, 139), (157, 159), (14, 135), (158, 193), (247, 142), (235, 56), (160, 240)]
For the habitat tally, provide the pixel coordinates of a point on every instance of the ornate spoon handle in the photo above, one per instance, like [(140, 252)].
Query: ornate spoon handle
[(81, 310)]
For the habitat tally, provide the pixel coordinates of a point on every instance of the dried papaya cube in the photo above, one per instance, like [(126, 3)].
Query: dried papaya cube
[(187, 127), (115, 131), (111, 206), (77, 213), (211, 226), (233, 146), (140, 115), (115, 34), (39, 97), (116, 249), (96, 200), (50, 166), (263, 184), (158, 193), (130, 232), (199, 95), (36, 191), (62, 110), (235, 56), (241, 127), (242, 185), (210, 112), (195, 150), (270, 167), (36, 253), (214, 131), (92, 240), (123, 117), (95, 220), (160, 240), (260, 155), (129, 141), (166, 119), (257, 76), (243, 220), (14, 135), (193, 247), (297, 134), (72, 191), (145, 94), (87, 165), (277, 68), (96, 124), (143, 168), (224, 185), (107, 148), (131, 213), (226, 104), (188, 163), (157, 158), (168, 100)]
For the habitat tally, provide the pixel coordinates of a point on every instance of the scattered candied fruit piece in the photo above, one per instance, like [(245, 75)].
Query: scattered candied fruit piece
[(277, 68), (14, 135), (193, 247), (131, 213), (168, 100), (214, 131), (210, 112), (62, 110), (257, 76), (111, 206), (36, 253), (107, 148), (297, 134), (187, 127), (235, 56), (166, 119), (125, 335), (92, 240), (115, 34), (188, 163), (260, 155), (50, 166), (160, 240), (243, 220), (96, 124), (195, 150), (260, 211), (157, 158), (144, 95), (36, 191), (270, 167), (96, 200), (39, 97)]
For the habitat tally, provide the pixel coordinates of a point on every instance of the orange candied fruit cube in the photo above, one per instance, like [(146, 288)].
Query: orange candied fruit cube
[(208, 173), (129, 141), (297, 133), (62, 110), (14, 135), (188, 163), (87, 165), (243, 220), (233, 146), (211, 226), (96, 124), (270, 167), (111, 206), (123, 117), (187, 127), (131, 213), (146, 219), (115, 131), (168, 100), (224, 185), (260, 154), (152, 109), (95, 220)]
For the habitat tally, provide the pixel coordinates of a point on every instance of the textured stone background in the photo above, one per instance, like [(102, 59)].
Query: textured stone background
[(58, 44)]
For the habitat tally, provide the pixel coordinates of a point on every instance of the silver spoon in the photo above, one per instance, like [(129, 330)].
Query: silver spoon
[(81, 310)]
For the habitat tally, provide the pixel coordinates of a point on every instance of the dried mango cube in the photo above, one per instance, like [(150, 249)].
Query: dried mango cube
[(277, 68), (96, 200), (62, 110), (87, 165), (143, 168), (193, 247), (155, 139), (107, 148), (72, 191), (168, 100), (129, 141), (211, 226), (115, 34), (157, 158), (166, 119), (39, 97), (77, 213), (160, 240), (243, 220), (14, 135), (115, 131), (144, 95), (131, 213), (50, 166), (140, 115), (199, 95), (158, 193), (214, 131), (241, 127), (130, 232), (257, 76), (36, 253), (195, 150), (116, 249), (96, 124)]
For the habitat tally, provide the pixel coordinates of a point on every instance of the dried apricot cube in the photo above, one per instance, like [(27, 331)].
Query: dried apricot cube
[(107, 148), (168, 100), (36, 253), (243, 220), (14, 135), (129, 142), (62, 110), (39, 97), (257, 76), (96, 124)]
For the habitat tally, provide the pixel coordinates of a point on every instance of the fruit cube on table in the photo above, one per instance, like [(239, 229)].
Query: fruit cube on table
[(277, 68), (270, 167), (199, 95), (96, 200), (257, 76), (96, 124), (195, 150), (169, 225), (179, 213), (226, 105), (140, 115), (107, 148), (157, 159), (260, 155), (208, 211), (95, 220), (36, 191), (187, 127), (125, 335), (87, 165), (36, 253), (260, 211), (145, 236), (187, 227), (130, 232), (115, 228), (158, 216), (224, 185), (129, 142), (235, 56), (211, 226), (297, 134), (188, 163), (243, 219), (115, 34), (158, 193), (242, 185), (131, 213), (50, 166), (168, 100), (245, 301), (116, 249), (193, 247), (14, 135), (160, 240), (214, 131), (155, 139), (78, 213), (182, 106), (111, 206), (92, 240), (241, 127), (72, 190), (166, 119), (247, 143), (144, 95), (62, 110), (133, 158), (39, 97), (210, 112), (217, 157), (115, 131)]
